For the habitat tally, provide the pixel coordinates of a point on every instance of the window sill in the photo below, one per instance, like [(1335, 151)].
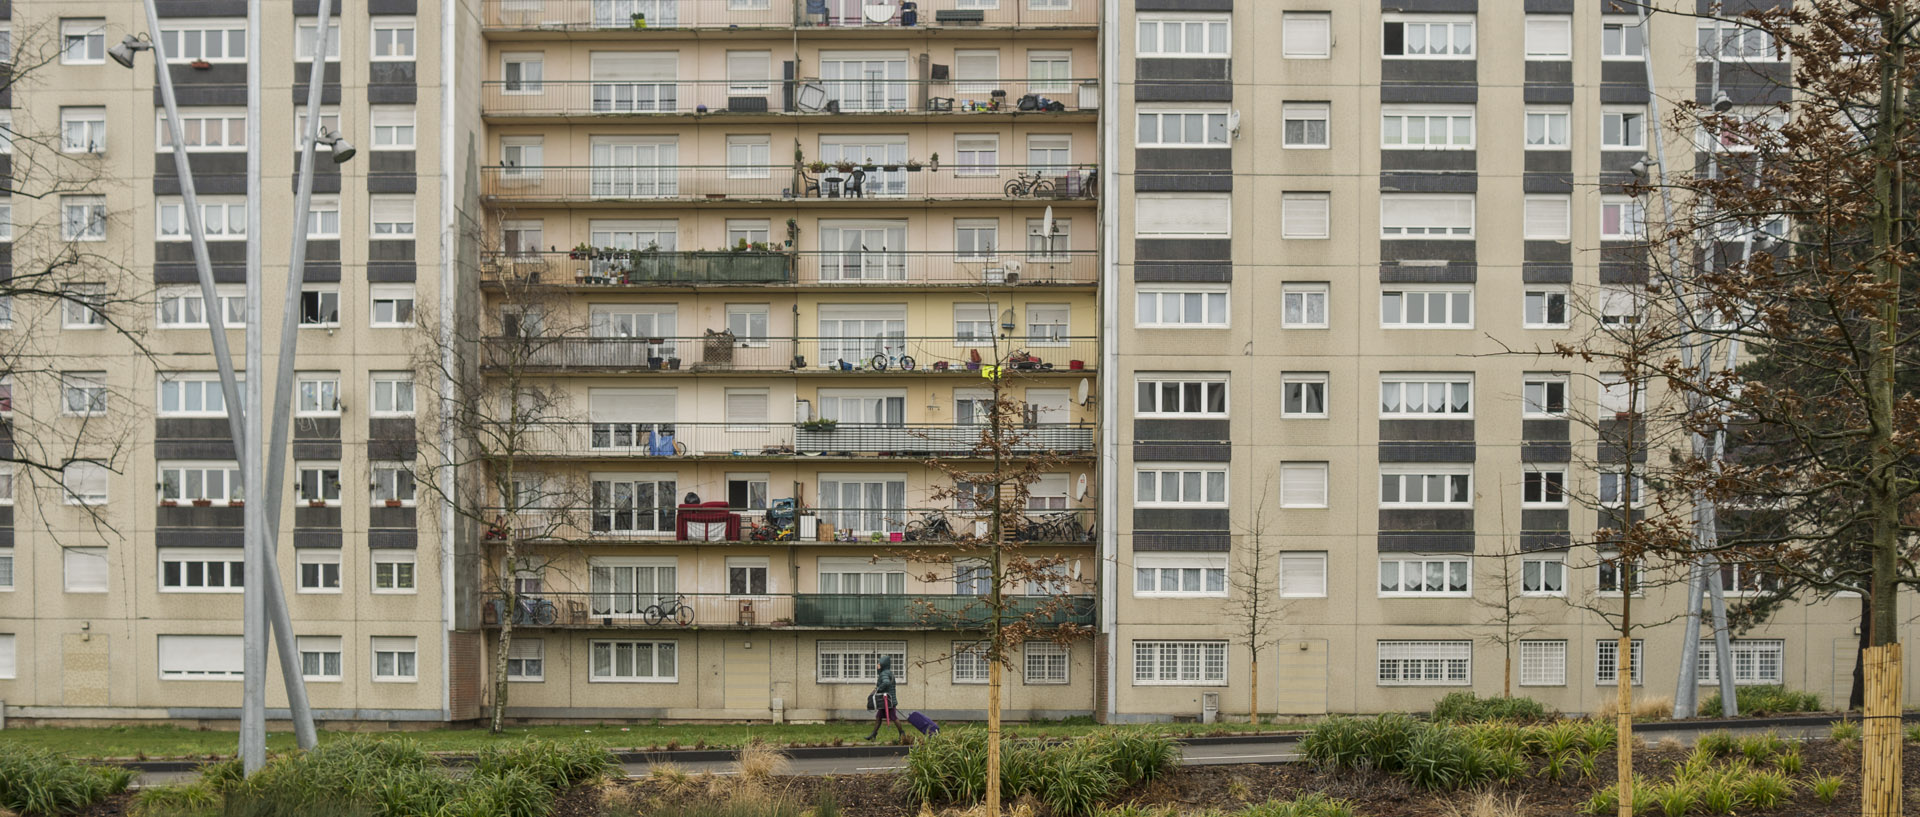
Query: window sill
[(413, 680), (674, 680), (1139, 683)]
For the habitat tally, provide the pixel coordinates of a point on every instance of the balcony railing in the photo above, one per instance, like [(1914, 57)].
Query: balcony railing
[(687, 183), (877, 526), (1045, 352), (638, 610), (670, 15), (627, 268), (664, 440), (551, 98)]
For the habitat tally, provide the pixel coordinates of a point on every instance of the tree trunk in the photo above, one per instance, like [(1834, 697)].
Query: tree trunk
[(1253, 666), (507, 588), (1506, 678), (1857, 696), (993, 739)]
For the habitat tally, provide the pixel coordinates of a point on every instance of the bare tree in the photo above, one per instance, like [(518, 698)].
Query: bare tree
[(1253, 580), (1510, 618)]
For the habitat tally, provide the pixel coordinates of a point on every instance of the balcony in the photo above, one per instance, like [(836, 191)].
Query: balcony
[(600, 270), (1040, 354), (716, 611), (884, 184), (665, 17), (972, 98), (658, 525), (635, 440)]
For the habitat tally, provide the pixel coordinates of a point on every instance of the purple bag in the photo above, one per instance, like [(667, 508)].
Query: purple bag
[(924, 724)]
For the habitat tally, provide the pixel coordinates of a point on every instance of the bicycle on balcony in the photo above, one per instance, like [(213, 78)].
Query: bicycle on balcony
[(535, 611), (886, 359), (676, 610), (1027, 185), (932, 526), (1064, 526)]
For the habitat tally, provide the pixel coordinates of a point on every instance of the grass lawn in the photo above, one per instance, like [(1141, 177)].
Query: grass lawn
[(176, 742)]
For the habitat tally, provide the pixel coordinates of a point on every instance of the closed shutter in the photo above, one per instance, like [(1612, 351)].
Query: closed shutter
[(1306, 35), (1303, 484), (201, 656), (1552, 35), (976, 71), (523, 649), (1304, 215), (6, 655), (86, 570), (633, 405), (635, 66), (1547, 217), (1431, 212), (746, 406), (1190, 214), (748, 71), (1303, 575)]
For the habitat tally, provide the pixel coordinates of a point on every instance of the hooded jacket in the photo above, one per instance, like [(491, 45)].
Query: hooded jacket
[(883, 684)]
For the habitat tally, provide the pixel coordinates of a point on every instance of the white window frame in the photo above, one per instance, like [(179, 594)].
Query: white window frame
[(1306, 215), (520, 653), (867, 650), (1209, 474), (9, 657), (970, 662), (1216, 35), (398, 647), (749, 166), (1625, 42), (91, 124), (320, 558), (7, 564), (393, 480), (1725, 33), (1622, 212), (613, 645), (231, 35), (1547, 563), (305, 31), (1204, 383), (1549, 37), (1543, 662), (1434, 228), (1418, 567), (320, 294), (1216, 301), (1306, 113), (1039, 659), (388, 388), (1213, 123), (228, 470), (1440, 663), (384, 214), (1222, 202), (317, 385), (228, 561), (1623, 127), (1606, 661), (233, 644), (523, 85), (1304, 470), (385, 47), (91, 34), (1450, 380), (1537, 224), (1204, 569), (1747, 652), (1427, 115), (91, 390), (1305, 294), (217, 218), (1605, 563), (93, 209), (395, 558), (1543, 479), (78, 478), (388, 124), (1547, 293), (1315, 27), (311, 471), (322, 646), (1547, 118), (76, 565), (1315, 581), (1451, 475), (1209, 665), (1401, 300), (1304, 380), (323, 217), (1450, 21), (1546, 384), (394, 294)]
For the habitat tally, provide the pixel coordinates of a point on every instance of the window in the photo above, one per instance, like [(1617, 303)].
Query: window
[(1303, 396), (1755, 661), (1049, 155), (973, 324), (320, 657), (747, 157), (1173, 486), (1174, 575), (855, 575), (1606, 662), (392, 127), (1303, 575), (1623, 128), (210, 570), (1428, 576), (970, 662), (1744, 578), (1181, 129), (1622, 218), (1728, 41), (1306, 35), (83, 42), (1612, 492), (395, 658), (85, 482), (193, 394), (1543, 577), (218, 483), (393, 393), (634, 504), (205, 40), (1426, 663), (748, 73), (1050, 71), (1303, 485), (85, 570), (1046, 662), (1418, 485), (523, 72), (975, 239), (83, 130), (1431, 128), (318, 483), (393, 572), (305, 31), (1622, 305), (392, 216), (6, 117), (1305, 215), (747, 575), (329, 121), (205, 130), (1620, 398), (319, 394), (1543, 663), (1549, 37), (1547, 129), (8, 661), (1176, 663), (1304, 125), (523, 158), (320, 307), (392, 39), (201, 657), (857, 662), (223, 218), (6, 410), (1608, 579), (6, 234), (976, 155), (748, 323), (1183, 215), (1414, 215), (323, 217), (392, 482), (746, 409), (392, 305), (1202, 306), (1544, 396), (1544, 486), (1622, 38), (83, 393), (1303, 306), (1742, 130), (1180, 398), (1196, 36), (1548, 218), (83, 218), (6, 554), (976, 71), (634, 661), (1425, 395), (1049, 324), (319, 570), (1427, 37), (1545, 307), (527, 659), (1448, 308)]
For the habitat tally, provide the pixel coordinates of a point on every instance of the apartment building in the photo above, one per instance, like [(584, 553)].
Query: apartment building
[(1343, 216), (758, 255), (123, 569)]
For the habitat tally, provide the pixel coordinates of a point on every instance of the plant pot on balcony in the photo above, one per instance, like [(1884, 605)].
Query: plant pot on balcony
[(655, 362), (168, 503), (203, 503), (637, 21), (316, 503), (201, 65), (394, 503), (236, 503), (673, 364)]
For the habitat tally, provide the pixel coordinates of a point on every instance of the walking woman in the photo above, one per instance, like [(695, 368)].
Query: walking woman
[(884, 702)]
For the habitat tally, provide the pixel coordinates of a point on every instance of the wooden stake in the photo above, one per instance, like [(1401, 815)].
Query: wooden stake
[(1880, 743)]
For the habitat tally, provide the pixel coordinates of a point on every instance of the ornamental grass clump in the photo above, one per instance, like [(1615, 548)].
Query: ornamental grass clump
[(37, 782)]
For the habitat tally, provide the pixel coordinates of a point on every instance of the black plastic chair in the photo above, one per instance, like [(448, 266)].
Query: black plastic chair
[(856, 187)]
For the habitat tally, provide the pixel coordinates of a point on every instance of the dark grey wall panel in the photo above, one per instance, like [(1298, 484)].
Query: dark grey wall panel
[(1543, 93), (1183, 249), (1405, 452), (316, 450), (1181, 431), (1546, 452), (185, 274), (1429, 273), (188, 516), (385, 539), (1212, 272), (202, 8), (1436, 542), (390, 161), (1182, 519), (1182, 181), (1546, 430), (390, 250), (197, 95), (1146, 159), (403, 450), (391, 428), (1428, 72), (1532, 542), (1550, 73), (1426, 519), (1543, 519), (199, 538), (319, 249), (393, 93), (323, 272), (311, 8), (1461, 161), (392, 7), (1549, 161), (1430, 6), (308, 517), (385, 517), (1183, 452), (318, 539), (390, 73), (193, 449), (316, 428), (1623, 82), (191, 428), (392, 273), (1549, 6), (1546, 182), (218, 252), (1547, 252), (213, 174), (1426, 249), (1536, 273), (1183, 80), (1618, 437), (1435, 93), (1429, 183), (1182, 542), (1183, 5), (1453, 431)]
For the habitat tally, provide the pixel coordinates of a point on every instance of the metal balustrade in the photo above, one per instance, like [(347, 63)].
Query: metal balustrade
[(731, 440), (785, 183), (643, 268), (581, 524), (629, 610), (801, 97), (876, 357), (643, 17)]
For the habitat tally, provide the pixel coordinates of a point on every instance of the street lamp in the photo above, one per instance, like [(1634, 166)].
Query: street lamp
[(129, 45), (1722, 103), (342, 149)]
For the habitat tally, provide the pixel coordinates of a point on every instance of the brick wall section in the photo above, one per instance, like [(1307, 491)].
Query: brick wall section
[(465, 654)]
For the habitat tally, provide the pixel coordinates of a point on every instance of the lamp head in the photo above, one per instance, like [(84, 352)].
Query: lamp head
[(342, 149), (1641, 166), (129, 45), (1722, 103)]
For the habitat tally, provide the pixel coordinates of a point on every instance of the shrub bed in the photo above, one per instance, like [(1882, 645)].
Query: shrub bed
[(39, 782), (1071, 778), (1465, 707), (1770, 699)]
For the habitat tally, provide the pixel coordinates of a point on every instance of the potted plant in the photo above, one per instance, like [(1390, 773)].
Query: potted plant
[(817, 166), (169, 503), (201, 64), (868, 165), (914, 165), (316, 503), (637, 21), (934, 162), (820, 425), (236, 503), (890, 168), (673, 364), (203, 503), (844, 165), (393, 503), (580, 252)]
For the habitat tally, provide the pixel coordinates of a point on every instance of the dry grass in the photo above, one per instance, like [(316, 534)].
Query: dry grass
[(760, 762), (1650, 708), (1489, 804), (670, 777)]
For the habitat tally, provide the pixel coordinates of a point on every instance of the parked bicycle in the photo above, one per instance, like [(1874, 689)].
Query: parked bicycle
[(1061, 526), (538, 612), (1028, 184), (886, 359), (933, 526), (675, 610)]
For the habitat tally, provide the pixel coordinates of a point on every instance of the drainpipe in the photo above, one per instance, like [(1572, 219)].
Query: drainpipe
[(1109, 353)]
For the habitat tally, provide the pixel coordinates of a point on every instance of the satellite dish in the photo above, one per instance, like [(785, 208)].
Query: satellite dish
[(1046, 223), (1080, 488), (878, 13), (1080, 395)]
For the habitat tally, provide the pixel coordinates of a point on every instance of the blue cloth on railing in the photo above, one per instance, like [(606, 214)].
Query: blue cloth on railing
[(660, 443)]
